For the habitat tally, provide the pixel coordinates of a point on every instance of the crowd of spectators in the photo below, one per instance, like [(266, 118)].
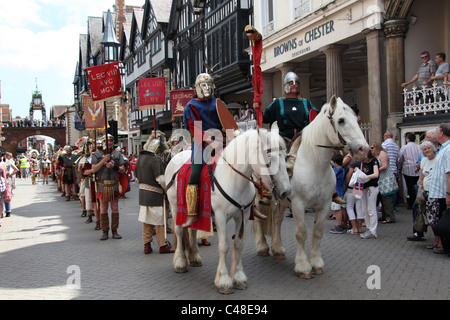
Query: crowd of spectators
[(34, 123)]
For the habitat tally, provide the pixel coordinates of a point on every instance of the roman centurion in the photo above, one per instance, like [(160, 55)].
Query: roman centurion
[(108, 165)]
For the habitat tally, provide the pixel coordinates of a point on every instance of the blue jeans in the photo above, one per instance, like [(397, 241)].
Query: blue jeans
[(7, 207)]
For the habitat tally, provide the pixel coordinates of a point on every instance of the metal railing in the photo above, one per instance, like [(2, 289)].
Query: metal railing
[(426, 100), (246, 125)]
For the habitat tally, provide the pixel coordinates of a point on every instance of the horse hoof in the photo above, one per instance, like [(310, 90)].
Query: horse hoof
[(180, 270), (317, 271), (279, 256), (305, 275), (263, 253), (240, 286), (226, 291), (195, 264)]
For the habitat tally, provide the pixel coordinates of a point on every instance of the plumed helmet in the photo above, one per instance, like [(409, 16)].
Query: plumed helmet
[(291, 76)]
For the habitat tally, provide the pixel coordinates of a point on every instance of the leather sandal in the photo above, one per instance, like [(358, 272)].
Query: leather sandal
[(148, 248), (166, 249), (206, 242)]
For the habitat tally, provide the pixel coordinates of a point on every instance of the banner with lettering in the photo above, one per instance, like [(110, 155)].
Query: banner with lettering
[(152, 93), (105, 81), (179, 99), (94, 113)]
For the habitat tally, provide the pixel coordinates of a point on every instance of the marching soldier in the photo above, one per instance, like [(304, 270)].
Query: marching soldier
[(108, 165)]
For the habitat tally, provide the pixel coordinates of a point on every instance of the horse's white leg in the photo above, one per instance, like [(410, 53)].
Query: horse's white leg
[(237, 270), (278, 250), (194, 257), (179, 258), (302, 266), (223, 280), (315, 256)]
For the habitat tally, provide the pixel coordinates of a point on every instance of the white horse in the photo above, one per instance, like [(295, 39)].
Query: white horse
[(232, 196), (313, 183)]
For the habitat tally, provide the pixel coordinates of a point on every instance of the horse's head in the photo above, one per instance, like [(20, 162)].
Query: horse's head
[(271, 149), (346, 130)]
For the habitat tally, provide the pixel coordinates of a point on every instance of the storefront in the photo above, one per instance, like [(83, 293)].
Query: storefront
[(335, 50)]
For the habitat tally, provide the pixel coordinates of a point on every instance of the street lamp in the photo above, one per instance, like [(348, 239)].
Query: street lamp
[(110, 44)]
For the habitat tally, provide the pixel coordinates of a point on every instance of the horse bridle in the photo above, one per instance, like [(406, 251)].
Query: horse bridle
[(341, 139)]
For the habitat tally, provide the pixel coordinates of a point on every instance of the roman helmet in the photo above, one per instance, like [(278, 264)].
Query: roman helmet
[(204, 86), (153, 146), (291, 76), (104, 144)]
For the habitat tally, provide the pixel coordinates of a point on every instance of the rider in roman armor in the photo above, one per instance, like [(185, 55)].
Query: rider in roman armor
[(292, 113), (200, 115)]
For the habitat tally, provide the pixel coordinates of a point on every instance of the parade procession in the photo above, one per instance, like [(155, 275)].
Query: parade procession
[(205, 136)]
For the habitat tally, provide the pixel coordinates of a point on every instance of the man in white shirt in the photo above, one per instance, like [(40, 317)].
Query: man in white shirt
[(407, 158), (391, 148)]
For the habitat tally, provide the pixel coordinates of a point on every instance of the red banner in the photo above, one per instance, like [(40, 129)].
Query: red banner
[(104, 81), (179, 99), (94, 113), (152, 93)]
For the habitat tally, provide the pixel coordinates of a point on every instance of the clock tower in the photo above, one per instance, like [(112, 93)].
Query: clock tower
[(37, 104)]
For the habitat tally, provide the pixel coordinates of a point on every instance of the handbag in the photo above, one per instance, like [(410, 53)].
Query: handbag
[(357, 176), (421, 221), (8, 195), (442, 227)]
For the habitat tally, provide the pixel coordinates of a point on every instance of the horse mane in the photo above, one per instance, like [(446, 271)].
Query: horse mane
[(241, 140)]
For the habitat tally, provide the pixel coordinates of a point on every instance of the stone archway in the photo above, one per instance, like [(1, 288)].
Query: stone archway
[(13, 135)]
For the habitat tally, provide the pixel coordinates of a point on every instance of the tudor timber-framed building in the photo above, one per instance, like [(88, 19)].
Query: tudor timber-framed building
[(213, 40), (146, 51)]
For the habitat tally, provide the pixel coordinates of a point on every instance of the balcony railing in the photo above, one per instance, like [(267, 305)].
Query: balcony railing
[(246, 125), (426, 100)]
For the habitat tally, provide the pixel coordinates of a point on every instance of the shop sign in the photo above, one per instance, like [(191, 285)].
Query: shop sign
[(307, 38)]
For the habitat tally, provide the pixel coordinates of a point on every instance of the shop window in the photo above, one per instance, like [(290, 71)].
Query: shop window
[(301, 8), (268, 16)]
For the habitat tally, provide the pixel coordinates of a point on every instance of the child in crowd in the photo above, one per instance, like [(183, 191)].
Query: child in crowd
[(340, 177)]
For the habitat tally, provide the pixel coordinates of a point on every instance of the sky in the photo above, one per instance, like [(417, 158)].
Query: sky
[(39, 45)]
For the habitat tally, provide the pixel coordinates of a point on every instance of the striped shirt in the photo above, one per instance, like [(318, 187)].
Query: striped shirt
[(392, 150), (425, 71), (407, 157), (438, 187)]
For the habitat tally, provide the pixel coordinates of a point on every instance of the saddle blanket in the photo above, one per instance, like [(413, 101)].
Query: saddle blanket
[(204, 204)]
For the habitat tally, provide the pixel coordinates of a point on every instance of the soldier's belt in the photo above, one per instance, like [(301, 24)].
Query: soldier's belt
[(147, 187), (106, 183)]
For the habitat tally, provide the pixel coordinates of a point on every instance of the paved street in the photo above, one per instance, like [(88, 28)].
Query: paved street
[(45, 245)]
